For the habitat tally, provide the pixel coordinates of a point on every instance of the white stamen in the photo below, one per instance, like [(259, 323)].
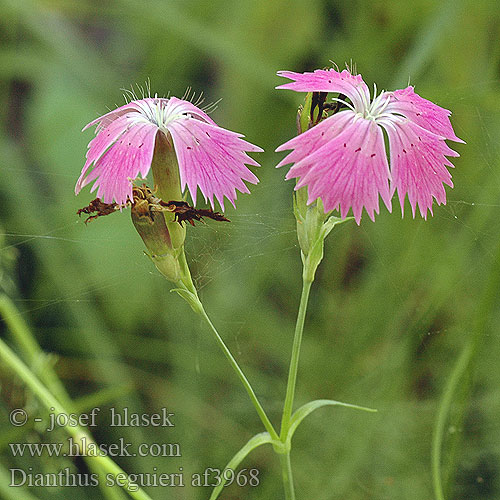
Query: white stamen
[(345, 103)]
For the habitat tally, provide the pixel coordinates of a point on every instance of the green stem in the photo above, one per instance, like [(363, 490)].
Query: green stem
[(286, 472), (33, 354), (19, 329), (262, 414), (294, 363), (188, 292), (465, 363), (52, 404), (444, 409), (38, 360)]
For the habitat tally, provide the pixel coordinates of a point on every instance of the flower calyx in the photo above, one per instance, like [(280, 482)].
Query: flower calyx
[(313, 224)]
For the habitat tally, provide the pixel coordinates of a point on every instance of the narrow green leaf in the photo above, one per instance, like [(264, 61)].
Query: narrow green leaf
[(305, 113), (332, 222), (308, 408), (256, 441), (102, 397), (189, 297)]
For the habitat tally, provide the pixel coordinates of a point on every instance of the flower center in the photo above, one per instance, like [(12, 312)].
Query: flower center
[(376, 108), (371, 110), (157, 111)]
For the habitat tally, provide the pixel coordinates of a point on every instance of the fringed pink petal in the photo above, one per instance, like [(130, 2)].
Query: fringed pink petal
[(185, 107), (209, 157), (212, 159), (101, 142), (316, 137), (418, 164), (126, 158), (348, 170), (424, 113), (329, 80), (104, 120)]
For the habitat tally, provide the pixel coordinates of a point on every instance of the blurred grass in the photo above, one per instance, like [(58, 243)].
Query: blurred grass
[(394, 303)]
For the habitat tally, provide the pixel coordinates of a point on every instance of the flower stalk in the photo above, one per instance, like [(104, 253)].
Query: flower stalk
[(246, 384), (286, 472), (313, 226), (187, 290), (310, 221), (294, 362)]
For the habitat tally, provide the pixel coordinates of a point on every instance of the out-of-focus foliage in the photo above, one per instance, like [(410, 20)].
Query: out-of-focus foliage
[(395, 301)]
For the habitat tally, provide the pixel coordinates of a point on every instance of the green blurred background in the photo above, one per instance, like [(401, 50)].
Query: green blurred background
[(395, 303)]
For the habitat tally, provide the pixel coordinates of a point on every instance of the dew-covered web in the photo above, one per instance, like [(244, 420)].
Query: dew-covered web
[(208, 246), (470, 213), (216, 249), (254, 234)]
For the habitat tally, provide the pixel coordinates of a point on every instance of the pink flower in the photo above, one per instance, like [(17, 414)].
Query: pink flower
[(209, 157), (343, 159)]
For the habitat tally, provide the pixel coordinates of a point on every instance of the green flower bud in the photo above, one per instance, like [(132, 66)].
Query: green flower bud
[(149, 220)]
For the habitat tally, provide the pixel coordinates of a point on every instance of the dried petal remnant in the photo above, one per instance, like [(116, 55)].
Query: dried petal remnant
[(186, 213), (99, 207), (145, 204)]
